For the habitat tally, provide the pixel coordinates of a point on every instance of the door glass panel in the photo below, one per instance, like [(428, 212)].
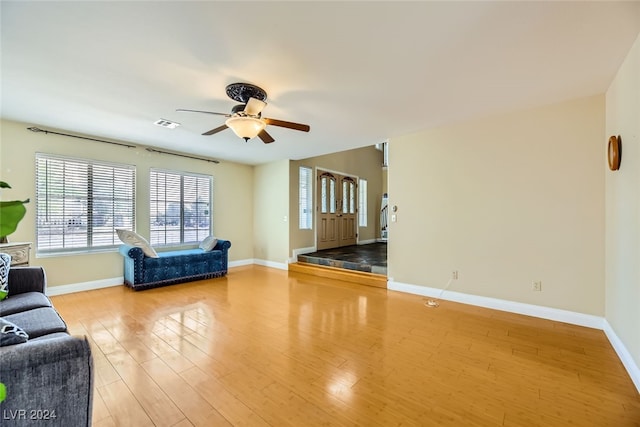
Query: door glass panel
[(352, 198), (345, 196), (323, 190)]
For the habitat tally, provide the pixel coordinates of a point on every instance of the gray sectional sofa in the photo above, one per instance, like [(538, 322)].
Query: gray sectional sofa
[(49, 378)]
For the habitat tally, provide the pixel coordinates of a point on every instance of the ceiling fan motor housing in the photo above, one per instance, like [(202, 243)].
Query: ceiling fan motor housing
[(241, 92), (238, 108)]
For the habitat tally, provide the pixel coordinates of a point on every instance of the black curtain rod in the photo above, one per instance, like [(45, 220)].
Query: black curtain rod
[(153, 150), (35, 129)]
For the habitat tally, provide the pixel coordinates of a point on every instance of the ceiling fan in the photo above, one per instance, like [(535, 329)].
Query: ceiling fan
[(246, 118)]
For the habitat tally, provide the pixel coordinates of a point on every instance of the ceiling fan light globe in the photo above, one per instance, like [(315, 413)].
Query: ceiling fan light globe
[(246, 127)]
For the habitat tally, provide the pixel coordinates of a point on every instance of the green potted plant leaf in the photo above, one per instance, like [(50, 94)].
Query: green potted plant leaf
[(11, 213)]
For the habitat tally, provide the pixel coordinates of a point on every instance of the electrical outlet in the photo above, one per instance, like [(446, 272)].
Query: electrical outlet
[(536, 286), (454, 275)]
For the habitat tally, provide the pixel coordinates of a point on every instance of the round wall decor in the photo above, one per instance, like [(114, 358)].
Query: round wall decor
[(614, 152)]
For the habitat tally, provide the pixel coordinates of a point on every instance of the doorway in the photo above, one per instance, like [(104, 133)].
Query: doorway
[(337, 205)]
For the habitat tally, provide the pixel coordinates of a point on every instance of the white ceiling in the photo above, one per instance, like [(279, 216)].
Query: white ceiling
[(356, 72)]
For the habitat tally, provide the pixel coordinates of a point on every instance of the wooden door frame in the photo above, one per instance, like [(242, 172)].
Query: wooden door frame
[(319, 171)]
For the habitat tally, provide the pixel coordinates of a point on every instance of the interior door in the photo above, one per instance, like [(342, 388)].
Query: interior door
[(327, 211), (347, 215), (337, 210)]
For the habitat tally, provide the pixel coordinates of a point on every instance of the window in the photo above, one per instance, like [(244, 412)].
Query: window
[(180, 207), (362, 202), (80, 203), (305, 200)]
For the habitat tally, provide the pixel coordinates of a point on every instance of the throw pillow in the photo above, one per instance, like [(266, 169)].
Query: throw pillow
[(5, 263), (208, 243), (134, 239), (11, 333)]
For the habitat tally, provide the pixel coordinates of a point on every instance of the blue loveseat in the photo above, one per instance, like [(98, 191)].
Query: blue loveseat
[(143, 272)]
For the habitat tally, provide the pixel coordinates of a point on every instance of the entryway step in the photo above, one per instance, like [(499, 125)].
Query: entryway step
[(368, 279)]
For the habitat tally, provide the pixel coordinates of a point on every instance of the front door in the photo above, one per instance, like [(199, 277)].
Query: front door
[(336, 204), (347, 214)]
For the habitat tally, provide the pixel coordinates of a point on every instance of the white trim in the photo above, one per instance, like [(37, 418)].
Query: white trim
[(625, 357), (352, 175), (580, 319), (240, 263), (272, 264), (366, 242), (84, 286), (300, 251)]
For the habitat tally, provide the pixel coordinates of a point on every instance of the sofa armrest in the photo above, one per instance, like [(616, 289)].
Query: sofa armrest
[(133, 263), (222, 245), (27, 279), (129, 251), (51, 377)]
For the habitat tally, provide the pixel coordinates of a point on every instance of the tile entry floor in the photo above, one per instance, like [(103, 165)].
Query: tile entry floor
[(370, 258)]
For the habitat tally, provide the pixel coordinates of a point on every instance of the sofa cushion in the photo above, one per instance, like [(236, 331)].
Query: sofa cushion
[(11, 334), (23, 302), (134, 239), (38, 322), (5, 264), (178, 256), (50, 336)]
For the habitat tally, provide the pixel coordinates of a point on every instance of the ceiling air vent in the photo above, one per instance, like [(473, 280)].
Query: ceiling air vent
[(166, 123)]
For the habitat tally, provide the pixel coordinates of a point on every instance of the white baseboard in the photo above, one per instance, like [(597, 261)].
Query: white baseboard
[(272, 264), (366, 242), (240, 263), (624, 355), (84, 286), (581, 319)]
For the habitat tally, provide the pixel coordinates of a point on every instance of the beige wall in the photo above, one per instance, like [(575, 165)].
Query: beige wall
[(364, 163), (271, 212), (505, 201), (623, 206), (232, 196)]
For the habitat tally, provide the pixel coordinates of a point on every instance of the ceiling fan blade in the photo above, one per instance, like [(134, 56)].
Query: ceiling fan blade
[(290, 125), (183, 110), (265, 137), (254, 106), (216, 130)]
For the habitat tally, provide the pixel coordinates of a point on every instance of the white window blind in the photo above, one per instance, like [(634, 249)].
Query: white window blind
[(180, 207), (362, 203), (80, 203), (305, 201)]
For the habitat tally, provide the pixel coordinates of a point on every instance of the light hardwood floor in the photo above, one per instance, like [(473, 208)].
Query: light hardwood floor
[(265, 347)]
